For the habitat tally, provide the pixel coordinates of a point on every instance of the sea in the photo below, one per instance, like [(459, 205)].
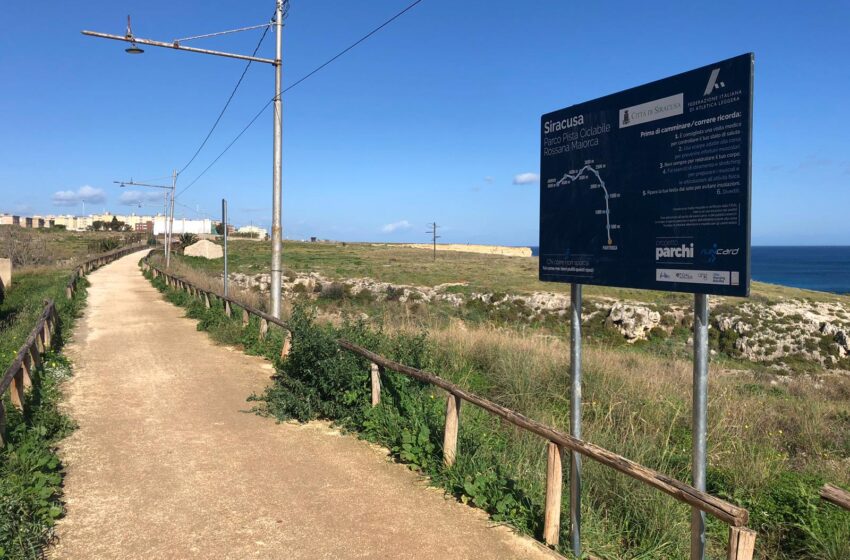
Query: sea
[(825, 269)]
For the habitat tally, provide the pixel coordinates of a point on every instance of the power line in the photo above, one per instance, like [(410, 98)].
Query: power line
[(227, 104), (297, 82)]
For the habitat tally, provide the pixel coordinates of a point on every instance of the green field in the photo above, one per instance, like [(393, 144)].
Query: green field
[(485, 273)]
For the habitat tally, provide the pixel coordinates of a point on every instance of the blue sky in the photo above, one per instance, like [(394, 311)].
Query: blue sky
[(431, 119)]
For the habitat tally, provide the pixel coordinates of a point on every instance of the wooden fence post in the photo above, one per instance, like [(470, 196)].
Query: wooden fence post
[(26, 366), (246, 318), (227, 310), (2, 424), (39, 342), (742, 542), (207, 300), (16, 391), (554, 481), (264, 328), (47, 337), (376, 384), (69, 293), (287, 344), (450, 432), (35, 359)]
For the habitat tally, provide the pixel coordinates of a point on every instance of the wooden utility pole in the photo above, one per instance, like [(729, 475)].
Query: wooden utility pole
[(433, 232)]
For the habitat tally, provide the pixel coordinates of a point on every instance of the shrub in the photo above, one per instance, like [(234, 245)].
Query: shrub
[(333, 291)]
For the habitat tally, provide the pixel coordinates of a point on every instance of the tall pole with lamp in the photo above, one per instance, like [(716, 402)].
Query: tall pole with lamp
[(277, 231)]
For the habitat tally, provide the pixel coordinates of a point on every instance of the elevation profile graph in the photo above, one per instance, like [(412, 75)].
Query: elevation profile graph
[(584, 176)]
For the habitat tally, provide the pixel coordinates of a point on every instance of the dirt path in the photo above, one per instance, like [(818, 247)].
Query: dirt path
[(166, 463)]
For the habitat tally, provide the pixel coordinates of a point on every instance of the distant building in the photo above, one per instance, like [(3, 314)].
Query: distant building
[(9, 220), (253, 231), (182, 225), (144, 227)]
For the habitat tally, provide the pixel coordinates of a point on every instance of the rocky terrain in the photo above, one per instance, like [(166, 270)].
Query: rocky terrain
[(776, 334)]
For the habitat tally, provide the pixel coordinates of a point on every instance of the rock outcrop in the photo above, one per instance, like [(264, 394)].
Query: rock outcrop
[(204, 248), (634, 322)]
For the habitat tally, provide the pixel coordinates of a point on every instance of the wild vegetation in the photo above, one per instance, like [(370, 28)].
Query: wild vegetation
[(771, 443)]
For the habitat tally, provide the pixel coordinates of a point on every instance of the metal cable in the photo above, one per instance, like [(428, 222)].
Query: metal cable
[(303, 78)]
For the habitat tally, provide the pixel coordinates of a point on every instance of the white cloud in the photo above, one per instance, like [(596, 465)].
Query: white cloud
[(132, 198), (396, 226), (488, 179), (526, 178), (85, 193)]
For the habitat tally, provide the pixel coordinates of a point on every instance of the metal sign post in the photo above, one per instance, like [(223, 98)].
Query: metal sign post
[(224, 230), (575, 417), (700, 414)]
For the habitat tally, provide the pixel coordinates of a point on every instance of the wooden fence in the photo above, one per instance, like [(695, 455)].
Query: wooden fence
[(835, 495), (741, 539), (18, 376)]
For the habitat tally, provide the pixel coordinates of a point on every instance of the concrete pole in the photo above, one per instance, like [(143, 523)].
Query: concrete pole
[(169, 226), (277, 232), (224, 226)]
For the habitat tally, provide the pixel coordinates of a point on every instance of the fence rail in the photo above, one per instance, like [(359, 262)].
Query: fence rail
[(18, 376), (835, 495), (741, 539)]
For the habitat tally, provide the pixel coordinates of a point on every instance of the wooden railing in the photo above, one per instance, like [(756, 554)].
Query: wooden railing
[(835, 495), (18, 376), (741, 539)]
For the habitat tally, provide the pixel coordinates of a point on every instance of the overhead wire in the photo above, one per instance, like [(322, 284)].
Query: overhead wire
[(296, 83), (227, 104)]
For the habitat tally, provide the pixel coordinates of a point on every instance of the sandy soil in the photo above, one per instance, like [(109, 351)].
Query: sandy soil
[(168, 463)]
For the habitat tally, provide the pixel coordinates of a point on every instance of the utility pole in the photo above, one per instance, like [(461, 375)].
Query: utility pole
[(277, 211), (170, 226), (178, 45), (435, 237), (224, 232), (168, 229)]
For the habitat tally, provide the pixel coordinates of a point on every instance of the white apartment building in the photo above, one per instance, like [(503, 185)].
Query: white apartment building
[(183, 225)]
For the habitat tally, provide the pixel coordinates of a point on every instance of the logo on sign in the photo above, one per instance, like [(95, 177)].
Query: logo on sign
[(682, 251), (715, 251), (713, 84)]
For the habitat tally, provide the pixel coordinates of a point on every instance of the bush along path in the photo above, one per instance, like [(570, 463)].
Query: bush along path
[(30, 471), (498, 469)]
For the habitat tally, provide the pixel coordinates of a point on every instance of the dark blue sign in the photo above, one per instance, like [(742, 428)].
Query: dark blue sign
[(650, 187)]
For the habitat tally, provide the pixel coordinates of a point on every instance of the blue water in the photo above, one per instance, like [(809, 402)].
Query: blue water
[(826, 269)]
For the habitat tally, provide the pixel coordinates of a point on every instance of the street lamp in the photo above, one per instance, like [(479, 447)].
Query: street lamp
[(169, 222), (277, 171), (132, 49)]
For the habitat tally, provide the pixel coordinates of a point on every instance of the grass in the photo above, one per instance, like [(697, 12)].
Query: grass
[(770, 446), (30, 471), (484, 273), (53, 247)]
